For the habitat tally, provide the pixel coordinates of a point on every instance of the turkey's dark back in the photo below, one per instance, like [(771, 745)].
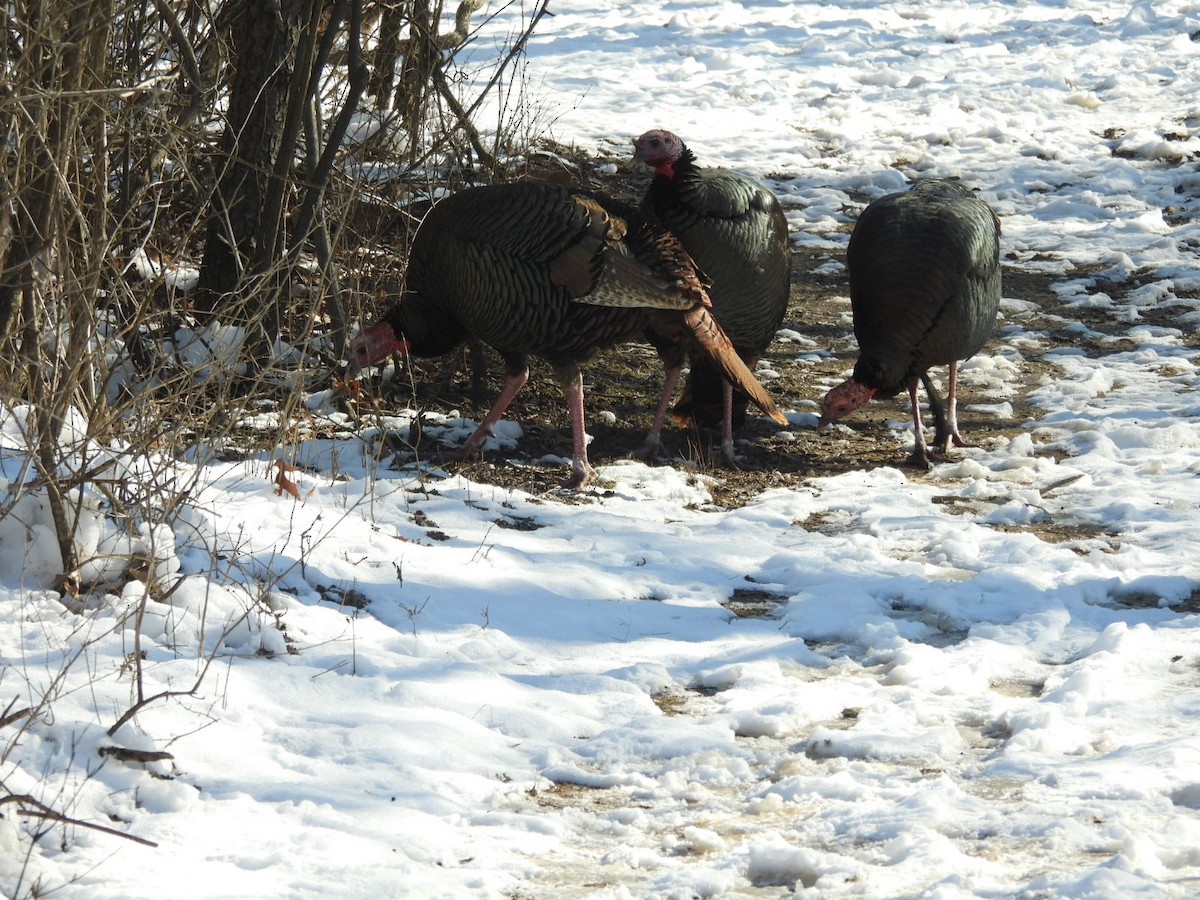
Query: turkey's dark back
[(736, 232), (924, 268), (478, 267)]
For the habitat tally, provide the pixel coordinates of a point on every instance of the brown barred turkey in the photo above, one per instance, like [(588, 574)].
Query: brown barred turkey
[(735, 230), (537, 269)]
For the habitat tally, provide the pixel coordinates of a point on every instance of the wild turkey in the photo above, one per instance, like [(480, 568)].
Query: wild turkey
[(536, 269), (924, 268), (736, 232)]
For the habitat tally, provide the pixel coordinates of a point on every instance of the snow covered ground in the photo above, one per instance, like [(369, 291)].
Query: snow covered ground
[(428, 687)]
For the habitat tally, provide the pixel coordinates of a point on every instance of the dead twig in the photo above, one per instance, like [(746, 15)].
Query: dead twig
[(1062, 482), (126, 754), (9, 717), (35, 808)]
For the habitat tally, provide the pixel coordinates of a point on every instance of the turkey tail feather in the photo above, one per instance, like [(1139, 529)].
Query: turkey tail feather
[(714, 343), (627, 283), (649, 269)]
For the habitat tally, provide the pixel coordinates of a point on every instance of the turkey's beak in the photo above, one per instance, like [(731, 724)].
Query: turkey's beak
[(373, 345), (843, 400), (638, 160), (358, 358)]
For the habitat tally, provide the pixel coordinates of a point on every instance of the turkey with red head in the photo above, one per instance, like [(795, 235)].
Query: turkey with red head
[(537, 269), (924, 268), (735, 230)]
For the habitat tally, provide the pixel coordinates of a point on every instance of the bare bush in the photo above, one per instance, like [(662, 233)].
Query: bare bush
[(127, 171)]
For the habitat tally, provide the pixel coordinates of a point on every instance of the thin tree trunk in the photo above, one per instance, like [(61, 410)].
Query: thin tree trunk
[(265, 35)]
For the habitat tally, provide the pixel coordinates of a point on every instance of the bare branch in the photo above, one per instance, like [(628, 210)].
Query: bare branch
[(42, 811)]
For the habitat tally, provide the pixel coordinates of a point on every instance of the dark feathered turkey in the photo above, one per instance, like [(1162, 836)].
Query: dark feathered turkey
[(924, 268), (736, 232), (535, 269)]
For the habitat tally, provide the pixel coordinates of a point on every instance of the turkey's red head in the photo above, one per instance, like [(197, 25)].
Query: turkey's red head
[(843, 400), (659, 150), (372, 345)]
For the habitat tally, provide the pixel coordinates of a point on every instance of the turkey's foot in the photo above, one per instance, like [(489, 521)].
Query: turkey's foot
[(457, 454), (923, 459), (581, 475), (728, 457), (650, 452), (955, 440), (733, 464)]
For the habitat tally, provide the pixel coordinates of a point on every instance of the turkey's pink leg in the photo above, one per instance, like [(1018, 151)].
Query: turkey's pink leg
[(652, 446), (581, 471), (952, 410), (512, 386), (919, 457), (727, 424)]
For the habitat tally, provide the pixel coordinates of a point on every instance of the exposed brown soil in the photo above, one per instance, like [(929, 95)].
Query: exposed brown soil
[(626, 381)]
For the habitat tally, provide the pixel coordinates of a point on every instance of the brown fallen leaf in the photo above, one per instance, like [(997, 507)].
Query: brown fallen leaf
[(282, 482)]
